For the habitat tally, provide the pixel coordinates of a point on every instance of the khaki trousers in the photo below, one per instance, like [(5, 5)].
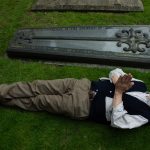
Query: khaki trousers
[(68, 96)]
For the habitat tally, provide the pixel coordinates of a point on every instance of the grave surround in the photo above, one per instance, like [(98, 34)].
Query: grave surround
[(88, 5), (108, 45)]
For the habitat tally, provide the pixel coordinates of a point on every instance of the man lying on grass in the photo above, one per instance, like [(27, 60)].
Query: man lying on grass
[(119, 100)]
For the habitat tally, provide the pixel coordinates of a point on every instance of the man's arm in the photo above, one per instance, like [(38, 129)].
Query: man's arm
[(120, 117), (122, 84)]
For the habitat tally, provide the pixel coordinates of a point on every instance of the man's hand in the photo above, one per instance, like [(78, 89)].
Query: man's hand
[(124, 83)]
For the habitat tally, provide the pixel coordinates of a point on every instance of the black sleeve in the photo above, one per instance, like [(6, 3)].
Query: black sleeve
[(138, 86)]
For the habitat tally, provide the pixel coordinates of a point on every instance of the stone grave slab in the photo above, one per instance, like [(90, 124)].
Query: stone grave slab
[(88, 5), (109, 45)]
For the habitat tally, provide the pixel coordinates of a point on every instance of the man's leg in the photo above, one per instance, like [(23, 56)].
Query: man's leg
[(57, 104), (37, 87), (74, 103)]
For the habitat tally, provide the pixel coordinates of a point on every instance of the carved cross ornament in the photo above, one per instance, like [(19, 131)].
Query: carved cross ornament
[(24, 37), (133, 38)]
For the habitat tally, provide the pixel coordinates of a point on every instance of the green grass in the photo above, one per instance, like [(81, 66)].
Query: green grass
[(28, 130), (21, 130)]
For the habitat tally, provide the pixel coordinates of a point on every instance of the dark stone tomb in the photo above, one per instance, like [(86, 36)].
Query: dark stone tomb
[(88, 5), (111, 45)]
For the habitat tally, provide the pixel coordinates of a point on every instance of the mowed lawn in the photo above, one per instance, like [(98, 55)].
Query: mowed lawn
[(21, 130)]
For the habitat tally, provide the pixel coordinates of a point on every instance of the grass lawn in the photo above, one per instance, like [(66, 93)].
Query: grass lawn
[(21, 130)]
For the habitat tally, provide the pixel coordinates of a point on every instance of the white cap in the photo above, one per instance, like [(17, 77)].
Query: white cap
[(116, 72)]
